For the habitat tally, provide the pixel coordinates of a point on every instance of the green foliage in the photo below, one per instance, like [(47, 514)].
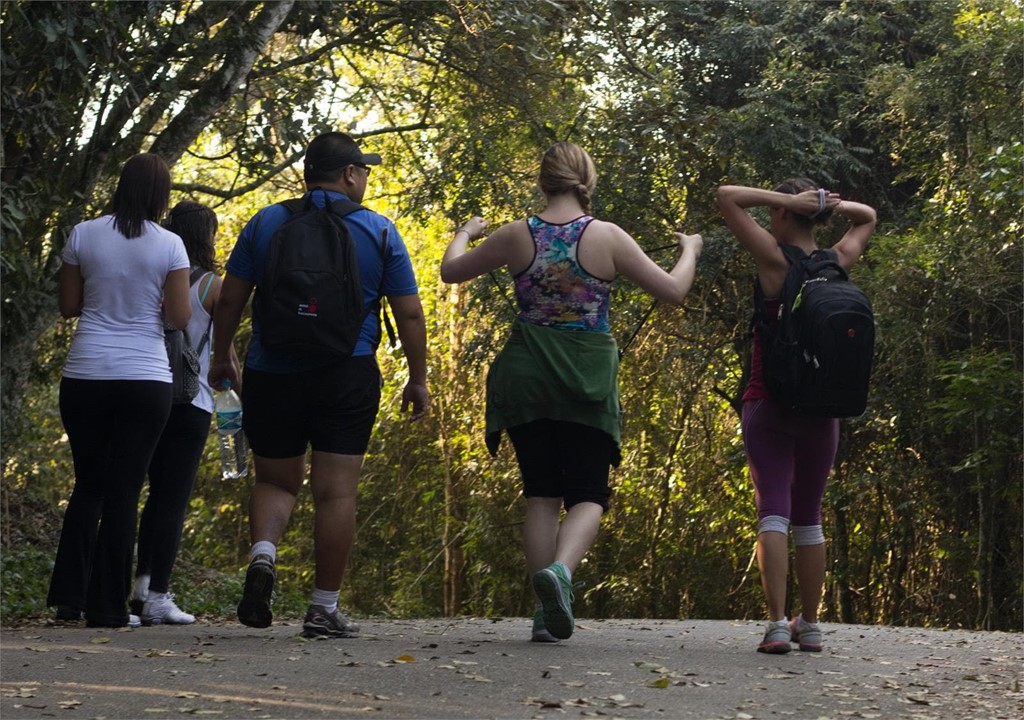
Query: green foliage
[(25, 578), (910, 107)]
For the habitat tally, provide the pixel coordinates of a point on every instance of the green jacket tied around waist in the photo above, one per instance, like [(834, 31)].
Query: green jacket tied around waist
[(547, 373)]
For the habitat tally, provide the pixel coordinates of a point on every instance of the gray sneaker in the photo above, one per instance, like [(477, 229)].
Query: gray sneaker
[(320, 622), (806, 635), (254, 608), (776, 638)]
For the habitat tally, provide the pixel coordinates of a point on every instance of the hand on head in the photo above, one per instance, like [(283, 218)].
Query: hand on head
[(809, 202)]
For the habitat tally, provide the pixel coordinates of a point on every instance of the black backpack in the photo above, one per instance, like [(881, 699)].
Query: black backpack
[(183, 358), (311, 297), (817, 361)]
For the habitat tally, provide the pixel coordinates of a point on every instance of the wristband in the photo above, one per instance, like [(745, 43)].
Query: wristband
[(821, 203)]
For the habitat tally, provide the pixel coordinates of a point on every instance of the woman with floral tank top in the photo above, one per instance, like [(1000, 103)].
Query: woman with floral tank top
[(554, 386)]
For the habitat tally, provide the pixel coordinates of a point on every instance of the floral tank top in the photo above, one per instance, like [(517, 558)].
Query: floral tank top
[(555, 290)]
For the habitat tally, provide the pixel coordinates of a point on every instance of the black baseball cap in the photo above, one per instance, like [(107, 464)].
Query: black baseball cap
[(334, 150)]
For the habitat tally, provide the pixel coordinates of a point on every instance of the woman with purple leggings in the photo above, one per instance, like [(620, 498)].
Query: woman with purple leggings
[(789, 455)]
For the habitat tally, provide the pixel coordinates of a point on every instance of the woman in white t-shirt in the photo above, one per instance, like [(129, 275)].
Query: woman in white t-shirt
[(122, 276), (172, 471)]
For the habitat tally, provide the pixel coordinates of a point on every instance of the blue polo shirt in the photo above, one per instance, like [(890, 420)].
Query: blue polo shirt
[(250, 253)]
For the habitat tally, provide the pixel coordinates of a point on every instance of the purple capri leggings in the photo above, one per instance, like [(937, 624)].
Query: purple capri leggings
[(790, 457)]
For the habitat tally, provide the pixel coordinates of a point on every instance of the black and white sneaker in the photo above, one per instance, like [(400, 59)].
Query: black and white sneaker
[(320, 622)]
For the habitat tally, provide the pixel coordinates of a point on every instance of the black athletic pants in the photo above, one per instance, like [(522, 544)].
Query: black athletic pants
[(172, 473), (113, 427)]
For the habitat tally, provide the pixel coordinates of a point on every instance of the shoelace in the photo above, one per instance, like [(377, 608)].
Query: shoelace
[(578, 585)]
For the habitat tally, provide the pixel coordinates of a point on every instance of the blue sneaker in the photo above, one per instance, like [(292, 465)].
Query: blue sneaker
[(554, 588)]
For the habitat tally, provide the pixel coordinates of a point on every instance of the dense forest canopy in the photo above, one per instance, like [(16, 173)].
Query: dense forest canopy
[(911, 107)]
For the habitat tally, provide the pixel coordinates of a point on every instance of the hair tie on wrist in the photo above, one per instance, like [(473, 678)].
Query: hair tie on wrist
[(821, 203)]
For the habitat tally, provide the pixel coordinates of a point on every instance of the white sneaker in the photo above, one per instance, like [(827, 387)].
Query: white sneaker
[(134, 621), (160, 609)]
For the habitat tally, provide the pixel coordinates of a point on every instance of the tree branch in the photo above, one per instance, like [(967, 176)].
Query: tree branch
[(202, 107), (282, 166)]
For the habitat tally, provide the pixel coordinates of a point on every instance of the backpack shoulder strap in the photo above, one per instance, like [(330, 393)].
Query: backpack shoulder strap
[(794, 254), (341, 207), (344, 207), (385, 253), (791, 285), (295, 205), (795, 257), (826, 262)]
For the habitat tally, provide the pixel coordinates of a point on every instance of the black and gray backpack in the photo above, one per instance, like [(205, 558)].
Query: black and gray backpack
[(817, 358)]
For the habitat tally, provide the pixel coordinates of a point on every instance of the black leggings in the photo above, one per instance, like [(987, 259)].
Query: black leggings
[(172, 472), (113, 427)]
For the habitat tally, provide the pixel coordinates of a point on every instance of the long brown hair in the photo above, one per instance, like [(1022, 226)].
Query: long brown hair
[(196, 225), (143, 193)]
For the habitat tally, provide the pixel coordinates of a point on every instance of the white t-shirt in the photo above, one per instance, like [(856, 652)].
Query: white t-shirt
[(120, 333)]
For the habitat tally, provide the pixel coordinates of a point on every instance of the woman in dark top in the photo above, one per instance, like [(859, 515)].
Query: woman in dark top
[(790, 456)]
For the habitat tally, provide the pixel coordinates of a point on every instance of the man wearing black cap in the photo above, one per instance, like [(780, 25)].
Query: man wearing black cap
[(294, 401)]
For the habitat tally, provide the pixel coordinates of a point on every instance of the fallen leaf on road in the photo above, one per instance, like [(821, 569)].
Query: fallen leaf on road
[(919, 699)]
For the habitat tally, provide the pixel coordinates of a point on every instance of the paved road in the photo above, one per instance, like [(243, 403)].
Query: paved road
[(485, 668)]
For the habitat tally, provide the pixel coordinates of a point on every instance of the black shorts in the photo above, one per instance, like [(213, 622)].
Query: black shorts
[(563, 459), (332, 408)]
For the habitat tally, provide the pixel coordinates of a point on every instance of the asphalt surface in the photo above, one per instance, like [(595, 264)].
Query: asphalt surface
[(486, 668)]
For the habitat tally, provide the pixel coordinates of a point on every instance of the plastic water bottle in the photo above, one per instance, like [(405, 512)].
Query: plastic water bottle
[(234, 456)]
